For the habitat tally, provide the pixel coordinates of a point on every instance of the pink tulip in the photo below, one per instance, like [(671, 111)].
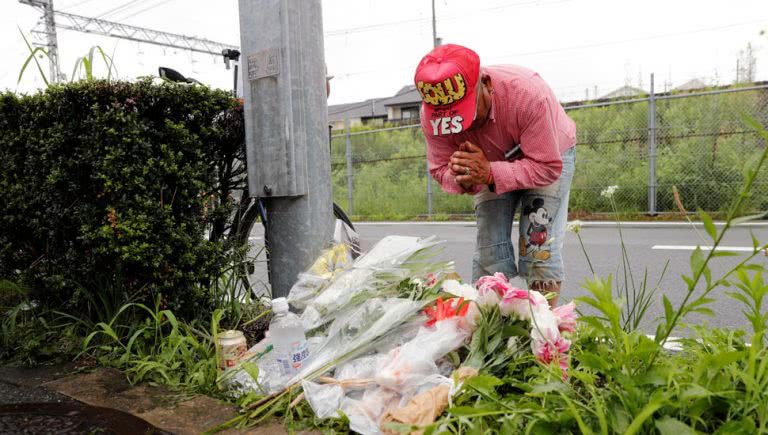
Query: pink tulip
[(566, 317)]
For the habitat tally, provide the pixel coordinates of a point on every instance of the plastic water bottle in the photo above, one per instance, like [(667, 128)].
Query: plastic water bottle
[(289, 344)]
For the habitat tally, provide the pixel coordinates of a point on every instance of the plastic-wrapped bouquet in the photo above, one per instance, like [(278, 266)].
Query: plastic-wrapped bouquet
[(378, 273)]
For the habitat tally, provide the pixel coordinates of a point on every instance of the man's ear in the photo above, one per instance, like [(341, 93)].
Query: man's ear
[(486, 79)]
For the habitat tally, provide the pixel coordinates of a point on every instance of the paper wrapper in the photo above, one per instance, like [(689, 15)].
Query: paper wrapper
[(424, 408)]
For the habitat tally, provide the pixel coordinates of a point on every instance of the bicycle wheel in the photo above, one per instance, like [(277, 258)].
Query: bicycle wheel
[(256, 272)]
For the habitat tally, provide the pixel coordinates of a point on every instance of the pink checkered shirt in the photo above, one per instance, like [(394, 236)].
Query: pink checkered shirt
[(524, 111)]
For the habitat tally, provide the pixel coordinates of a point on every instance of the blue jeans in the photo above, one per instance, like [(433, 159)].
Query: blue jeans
[(543, 217)]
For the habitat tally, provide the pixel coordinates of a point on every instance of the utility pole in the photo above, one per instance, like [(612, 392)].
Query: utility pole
[(286, 130), (45, 36), (434, 27)]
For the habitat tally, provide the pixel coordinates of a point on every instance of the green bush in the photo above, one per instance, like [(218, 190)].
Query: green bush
[(112, 188)]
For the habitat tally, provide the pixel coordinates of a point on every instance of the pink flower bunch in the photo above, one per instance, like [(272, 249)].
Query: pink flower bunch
[(490, 289), (547, 343), (566, 317), (547, 324), (496, 290), (557, 351)]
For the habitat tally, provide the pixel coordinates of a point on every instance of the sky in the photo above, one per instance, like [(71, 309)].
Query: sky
[(582, 48)]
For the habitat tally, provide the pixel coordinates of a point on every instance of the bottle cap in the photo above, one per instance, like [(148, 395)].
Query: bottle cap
[(279, 305)]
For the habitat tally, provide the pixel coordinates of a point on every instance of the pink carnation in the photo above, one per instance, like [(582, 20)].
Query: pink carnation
[(516, 302), (548, 351), (497, 283), (566, 317)]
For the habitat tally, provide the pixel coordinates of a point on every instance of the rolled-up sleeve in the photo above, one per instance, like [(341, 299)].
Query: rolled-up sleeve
[(541, 163)]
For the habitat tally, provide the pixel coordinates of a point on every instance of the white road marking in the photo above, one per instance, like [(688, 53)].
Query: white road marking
[(703, 248), (585, 224)]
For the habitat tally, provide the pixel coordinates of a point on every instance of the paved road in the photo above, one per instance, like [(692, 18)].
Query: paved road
[(602, 244)]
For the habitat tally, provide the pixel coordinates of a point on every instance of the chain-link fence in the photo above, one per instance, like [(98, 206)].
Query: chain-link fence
[(697, 142)]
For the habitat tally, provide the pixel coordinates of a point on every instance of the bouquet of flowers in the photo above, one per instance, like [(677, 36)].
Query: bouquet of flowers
[(378, 273), (395, 338), (510, 317)]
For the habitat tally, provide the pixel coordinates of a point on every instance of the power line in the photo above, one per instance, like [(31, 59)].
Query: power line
[(117, 8), (162, 2), (370, 27), (70, 7), (624, 41), (579, 47)]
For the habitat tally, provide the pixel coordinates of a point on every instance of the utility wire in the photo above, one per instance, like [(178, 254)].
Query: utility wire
[(123, 6), (162, 2), (624, 41), (578, 47), (370, 27), (70, 7)]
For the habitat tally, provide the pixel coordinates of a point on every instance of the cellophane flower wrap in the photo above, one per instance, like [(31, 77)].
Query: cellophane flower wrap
[(377, 273), (390, 329)]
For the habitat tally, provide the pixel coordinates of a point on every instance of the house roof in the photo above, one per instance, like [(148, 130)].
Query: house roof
[(407, 95), (691, 85), (623, 92), (375, 107), (372, 108)]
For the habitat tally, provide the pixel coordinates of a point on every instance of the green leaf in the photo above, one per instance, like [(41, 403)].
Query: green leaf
[(593, 361), (693, 392), (745, 219), (32, 53), (719, 253), (708, 224), (656, 401), (722, 359), (548, 388), (672, 426), (688, 280), (469, 411), (744, 426), (697, 259), (669, 312), (484, 383)]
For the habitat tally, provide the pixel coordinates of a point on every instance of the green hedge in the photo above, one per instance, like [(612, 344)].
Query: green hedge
[(111, 187)]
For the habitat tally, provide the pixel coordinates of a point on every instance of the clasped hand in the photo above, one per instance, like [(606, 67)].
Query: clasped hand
[(470, 166)]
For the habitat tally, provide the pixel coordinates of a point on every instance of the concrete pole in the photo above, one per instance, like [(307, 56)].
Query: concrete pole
[(286, 122)]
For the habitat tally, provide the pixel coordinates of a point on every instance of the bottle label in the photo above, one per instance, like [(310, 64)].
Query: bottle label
[(293, 362)]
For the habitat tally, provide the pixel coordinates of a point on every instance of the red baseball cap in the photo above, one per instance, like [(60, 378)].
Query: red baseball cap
[(446, 79)]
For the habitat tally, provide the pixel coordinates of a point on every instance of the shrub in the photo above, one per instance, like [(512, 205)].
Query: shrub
[(112, 187)]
